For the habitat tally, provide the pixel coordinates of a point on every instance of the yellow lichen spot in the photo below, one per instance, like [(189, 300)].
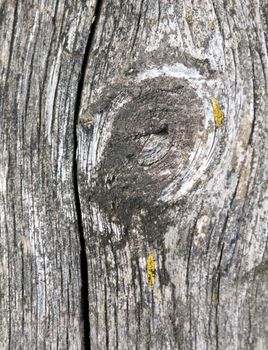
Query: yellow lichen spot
[(151, 22), (217, 112), (189, 17), (121, 68), (151, 270), (267, 185), (212, 25)]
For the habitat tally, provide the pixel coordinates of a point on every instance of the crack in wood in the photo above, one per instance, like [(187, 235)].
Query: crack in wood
[(217, 301), (83, 255)]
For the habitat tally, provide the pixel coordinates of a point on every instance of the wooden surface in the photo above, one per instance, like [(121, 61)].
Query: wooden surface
[(133, 174)]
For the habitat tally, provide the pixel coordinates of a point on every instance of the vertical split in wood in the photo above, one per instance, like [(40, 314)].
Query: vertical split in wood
[(83, 255)]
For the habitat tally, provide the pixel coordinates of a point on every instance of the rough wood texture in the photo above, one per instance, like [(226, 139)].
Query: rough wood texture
[(42, 47), (158, 180), (113, 169)]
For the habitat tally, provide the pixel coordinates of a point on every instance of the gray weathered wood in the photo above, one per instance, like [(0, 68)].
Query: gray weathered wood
[(42, 47), (200, 207), (109, 147)]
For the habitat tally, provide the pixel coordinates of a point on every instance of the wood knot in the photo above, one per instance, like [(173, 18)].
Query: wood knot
[(145, 141)]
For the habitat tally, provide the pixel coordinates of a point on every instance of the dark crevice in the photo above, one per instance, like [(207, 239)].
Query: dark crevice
[(13, 37), (217, 296), (254, 98), (161, 130), (106, 317), (83, 256), (138, 27)]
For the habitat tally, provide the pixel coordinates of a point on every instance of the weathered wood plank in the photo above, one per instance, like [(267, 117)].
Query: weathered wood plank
[(159, 180), (42, 48), (171, 206)]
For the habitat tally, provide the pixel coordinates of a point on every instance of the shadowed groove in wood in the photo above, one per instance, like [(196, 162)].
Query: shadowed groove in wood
[(83, 256)]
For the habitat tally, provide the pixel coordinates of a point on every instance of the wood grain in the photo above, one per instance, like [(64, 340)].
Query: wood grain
[(199, 207), (129, 217), (42, 47)]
